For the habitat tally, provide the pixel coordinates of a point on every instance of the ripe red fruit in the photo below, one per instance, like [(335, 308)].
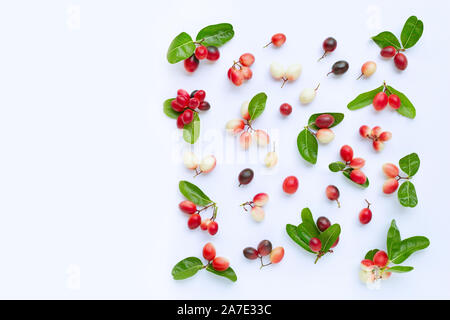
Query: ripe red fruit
[(394, 101), (400, 61), (323, 223), (278, 39), (193, 103), (204, 105), (346, 153), (191, 64), (200, 95), (180, 124), (213, 53), (315, 244), (247, 59), (264, 248), (290, 184), (388, 52), (250, 253), (209, 252), (378, 145), (385, 136), (380, 258), (194, 221), (380, 101), (364, 131), (333, 194), (182, 92), (176, 106), (213, 227), (220, 264), (358, 176), (285, 109), (390, 170), (187, 116), (246, 73), (324, 121), (329, 44), (390, 186), (335, 243), (365, 215), (204, 224), (236, 76), (188, 207), (357, 163), (201, 52), (182, 100)]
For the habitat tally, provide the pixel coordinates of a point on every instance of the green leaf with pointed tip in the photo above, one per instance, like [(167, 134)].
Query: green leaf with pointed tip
[(257, 105), (347, 175), (216, 34), (336, 166), (370, 254), (307, 146), (407, 195), (338, 117), (194, 193), (329, 236), (408, 247), (293, 234), (364, 99), (406, 107), (168, 110), (410, 164), (393, 239), (181, 48), (191, 131), (229, 273), (186, 268), (308, 222), (385, 39), (411, 32), (400, 269)]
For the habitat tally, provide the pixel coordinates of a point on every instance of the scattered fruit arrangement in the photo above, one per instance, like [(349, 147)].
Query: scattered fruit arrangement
[(256, 210), (240, 70), (264, 249), (377, 135)]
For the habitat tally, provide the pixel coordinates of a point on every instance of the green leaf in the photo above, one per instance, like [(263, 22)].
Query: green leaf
[(216, 35), (194, 193), (406, 107), (257, 105), (408, 247), (307, 146), (308, 222), (364, 99), (186, 268), (181, 48), (410, 164), (336, 166), (407, 195), (293, 234), (329, 237), (168, 110), (338, 117), (400, 269), (191, 131), (393, 239), (370, 254), (347, 175), (229, 273), (412, 31), (385, 39)]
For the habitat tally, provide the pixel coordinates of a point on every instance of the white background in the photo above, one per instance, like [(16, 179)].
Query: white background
[(89, 164)]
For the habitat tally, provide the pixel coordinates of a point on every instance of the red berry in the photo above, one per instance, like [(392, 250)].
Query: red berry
[(209, 252), (183, 100), (400, 61), (193, 103), (213, 227), (277, 255), (176, 106), (358, 176), (380, 258), (250, 253), (194, 221), (204, 224), (278, 39), (394, 101), (213, 53), (357, 163), (246, 73), (388, 52), (187, 116), (323, 223), (182, 92), (333, 194), (385, 136), (201, 52), (315, 244), (264, 248), (364, 131), (247, 59), (204, 105), (324, 121), (335, 243), (378, 145), (390, 170), (346, 153), (380, 101), (188, 207), (285, 109), (191, 64), (220, 264), (390, 185), (365, 215), (329, 44), (236, 76), (290, 184), (376, 131), (200, 95), (180, 123)]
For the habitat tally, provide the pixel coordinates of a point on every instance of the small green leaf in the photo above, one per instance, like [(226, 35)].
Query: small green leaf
[(186, 268), (293, 234), (194, 193), (168, 110), (308, 222), (400, 269), (393, 239), (229, 273), (191, 131), (410, 164), (407, 195), (257, 105), (336, 166), (364, 99), (408, 247), (329, 237), (370, 254), (216, 35), (181, 48), (347, 175), (338, 117), (307, 146), (385, 39), (412, 31), (406, 107)]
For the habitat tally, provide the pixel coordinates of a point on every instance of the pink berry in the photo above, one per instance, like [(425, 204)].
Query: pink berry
[(390, 185), (325, 135), (324, 121), (277, 255), (204, 224), (213, 227), (213, 53), (364, 131), (260, 199), (333, 194), (188, 207), (235, 126), (380, 101), (247, 59), (365, 215), (385, 136), (201, 52), (323, 223), (390, 170), (380, 258), (220, 264), (388, 52), (346, 153), (187, 116), (376, 131), (394, 101), (194, 221), (400, 61), (262, 138), (246, 73), (315, 244), (209, 252), (290, 185), (245, 140), (357, 163), (191, 64), (378, 145), (368, 69), (285, 109), (358, 176), (278, 39)]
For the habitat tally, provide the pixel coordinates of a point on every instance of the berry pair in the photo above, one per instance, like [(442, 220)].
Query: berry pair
[(376, 135), (191, 162), (381, 100), (351, 166), (400, 60), (240, 71), (264, 248), (218, 263), (210, 53), (324, 134), (188, 104), (323, 223), (279, 72), (256, 211), (392, 172), (195, 220)]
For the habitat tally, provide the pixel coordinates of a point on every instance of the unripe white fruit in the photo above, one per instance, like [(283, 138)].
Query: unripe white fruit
[(208, 164), (307, 95), (325, 136), (244, 111), (293, 72), (190, 160), (262, 138), (257, 214), (366, 277), (245, 140), (235, 126), (277, 70), (271, 159)]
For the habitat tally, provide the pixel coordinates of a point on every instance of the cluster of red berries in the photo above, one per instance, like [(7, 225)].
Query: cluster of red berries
[(257, 212), (400, 60), (188, 104), (354, 164), (240, 70), (195, 220), (264, 249), (376, 135), (218, 263), (381, 100), (210, 53), (323, 223)]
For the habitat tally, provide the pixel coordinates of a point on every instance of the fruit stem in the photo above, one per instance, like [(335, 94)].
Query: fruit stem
[(317, 88), (368, 203), (359, 76), (284, 81), (339, 204), (329, 73), (204, 208), (323, 56), (402, 178), (268, 44), (262, 264)]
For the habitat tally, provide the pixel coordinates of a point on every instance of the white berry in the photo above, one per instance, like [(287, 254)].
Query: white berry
[(208, 164), (293, 72), (271, 159), (244, 110), (277, 70), (307, 95), (190, 160), (257, 214)]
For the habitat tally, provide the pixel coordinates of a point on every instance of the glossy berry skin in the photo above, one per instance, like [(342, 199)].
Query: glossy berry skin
[(385, 136), (380, 101), (376, 131), (315, 244), (357, 163), (325, 135), (246, 73), (213, 53), (245, 176), (220, 264), (285, 109), (378, 145), (367, 265), (388, 52), (250, 253), (339, 67), (380, 258), (324, 121), (209, 252), (358, 176), (260, 199), (188, 207), (368, 68), (213, 227), (365, 215), (277, 255), (323, 223), (390, 186), (332, 192), (182, 100), (191, 64), (247, 59), (199, 95), (182, 92), (193, 103), (264, 248), (194, 221), (236, 76), (400, 61), (364, 131), (201, 52), (346, 153), (390, 170), (204, 105), (394, 101), (329, 44), (176, 106), (290, 185), (187, 116), (180, 124), (278, 39), (204, 224)]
